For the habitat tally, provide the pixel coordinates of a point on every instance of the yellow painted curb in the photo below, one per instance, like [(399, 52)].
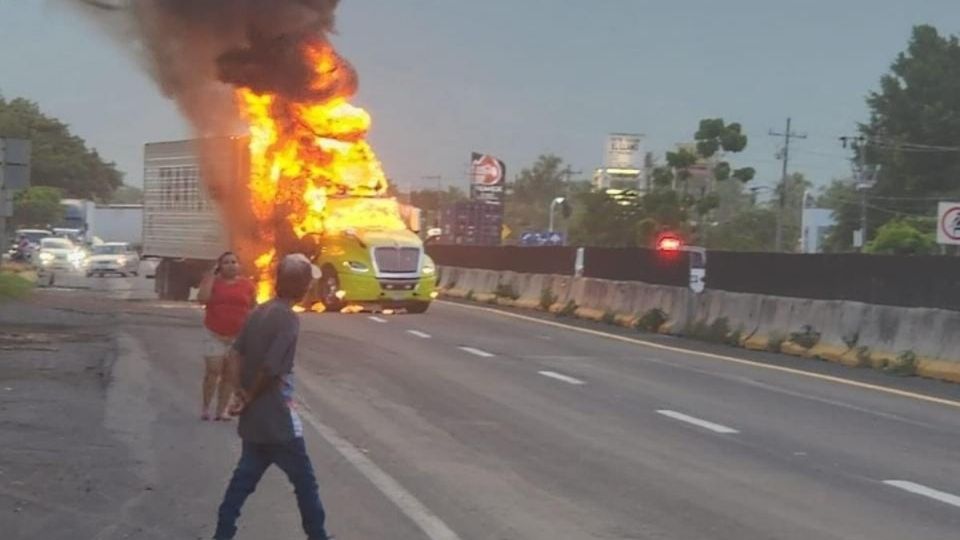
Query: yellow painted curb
[(756, 343), (590, 314), (939, 369)]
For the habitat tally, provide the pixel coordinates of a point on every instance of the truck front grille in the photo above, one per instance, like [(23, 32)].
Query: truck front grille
[(402, 260)]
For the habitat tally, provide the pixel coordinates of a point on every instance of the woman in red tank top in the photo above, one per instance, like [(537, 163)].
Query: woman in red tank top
[(228, 298)]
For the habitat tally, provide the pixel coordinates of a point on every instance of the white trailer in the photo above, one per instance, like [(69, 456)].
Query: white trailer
[(181, 223)]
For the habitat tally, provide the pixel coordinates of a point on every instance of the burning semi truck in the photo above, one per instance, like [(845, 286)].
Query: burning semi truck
[(300, 178), (367, 247)]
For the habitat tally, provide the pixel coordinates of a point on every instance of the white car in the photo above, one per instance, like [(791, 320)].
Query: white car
[(55, 255), (112, 258)]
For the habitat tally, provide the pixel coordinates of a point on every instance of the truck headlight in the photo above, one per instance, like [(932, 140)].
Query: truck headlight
[(46, 258), (429, 270), (121, 260), (356, 266)]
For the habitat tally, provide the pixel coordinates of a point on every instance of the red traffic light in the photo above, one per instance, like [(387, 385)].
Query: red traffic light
[(669, 242)]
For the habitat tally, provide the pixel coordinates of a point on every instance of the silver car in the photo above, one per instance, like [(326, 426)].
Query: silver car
[(112, 258)]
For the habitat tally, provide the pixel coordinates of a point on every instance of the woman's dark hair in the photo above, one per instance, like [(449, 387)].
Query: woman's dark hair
[(222, 256)]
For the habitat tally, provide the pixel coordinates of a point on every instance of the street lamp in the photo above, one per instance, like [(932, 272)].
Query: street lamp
[(553, 204)]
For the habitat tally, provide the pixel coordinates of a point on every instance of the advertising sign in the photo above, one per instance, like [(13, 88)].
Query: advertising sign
[(624, 151), (488, 178)]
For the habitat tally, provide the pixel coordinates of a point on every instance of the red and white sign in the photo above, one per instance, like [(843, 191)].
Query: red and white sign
[(948, 223), (487, 170)]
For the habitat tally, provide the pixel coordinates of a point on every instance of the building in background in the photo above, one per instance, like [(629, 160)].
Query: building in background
[(624, 163), (816, 224)]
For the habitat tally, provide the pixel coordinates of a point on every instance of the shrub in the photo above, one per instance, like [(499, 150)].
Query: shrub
[(469, 295), (733, 338), (863, 356), (851, 340), (568, 310), (775, 342), (652, 320), (609, 317), (807, 337), (904, 365), (505, 290), (547, 299), (718, 331)]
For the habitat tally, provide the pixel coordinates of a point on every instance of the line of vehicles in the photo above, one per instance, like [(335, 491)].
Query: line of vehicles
[(58, 251), (181, 231)]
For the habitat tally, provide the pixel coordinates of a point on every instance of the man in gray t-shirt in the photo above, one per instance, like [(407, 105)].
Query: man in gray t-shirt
[(269, 425)]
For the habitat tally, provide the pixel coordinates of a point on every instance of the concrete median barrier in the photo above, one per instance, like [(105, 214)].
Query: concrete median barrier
[(917, 340)]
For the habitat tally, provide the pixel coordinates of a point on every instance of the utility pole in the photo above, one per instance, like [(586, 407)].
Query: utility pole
[(858, 143), (787, 135)]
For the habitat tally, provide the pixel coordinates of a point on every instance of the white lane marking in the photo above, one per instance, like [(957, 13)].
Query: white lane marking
[(920, 489), (419, 334), (377, 319), (716, 428), (561, 377), (429, 523), (714, 356), (477, 352)]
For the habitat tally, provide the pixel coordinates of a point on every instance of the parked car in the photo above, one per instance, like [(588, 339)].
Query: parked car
[(112, 258), (55, 255)]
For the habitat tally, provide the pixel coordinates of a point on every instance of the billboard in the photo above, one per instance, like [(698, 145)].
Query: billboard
[(487, 178), (624, 151)]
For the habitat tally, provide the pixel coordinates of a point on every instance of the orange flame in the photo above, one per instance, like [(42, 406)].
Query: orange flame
[(307, 157)]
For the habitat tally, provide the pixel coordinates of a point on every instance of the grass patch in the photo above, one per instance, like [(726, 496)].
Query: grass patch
[(609, 317), (14, 287), (652, 320), (469, 296)]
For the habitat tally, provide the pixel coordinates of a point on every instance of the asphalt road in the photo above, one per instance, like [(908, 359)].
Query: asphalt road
[(468, 423)]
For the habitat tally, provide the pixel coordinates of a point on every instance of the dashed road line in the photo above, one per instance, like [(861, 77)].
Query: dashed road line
[(376, 319), (477, 352), (714, 356), (419, 334), (920, 489), (716, 428), (561, 377)]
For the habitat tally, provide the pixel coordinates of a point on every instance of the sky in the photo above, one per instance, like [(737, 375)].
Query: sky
[(520, 78)]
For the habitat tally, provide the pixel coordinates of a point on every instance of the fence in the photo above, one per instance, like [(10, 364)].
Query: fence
[(910, 281)]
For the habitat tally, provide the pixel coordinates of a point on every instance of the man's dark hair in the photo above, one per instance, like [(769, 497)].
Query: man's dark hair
[(294, 275)]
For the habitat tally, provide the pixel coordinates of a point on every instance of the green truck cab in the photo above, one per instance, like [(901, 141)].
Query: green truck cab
[(375, 269)]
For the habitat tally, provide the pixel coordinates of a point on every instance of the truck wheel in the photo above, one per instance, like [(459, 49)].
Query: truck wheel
[(418, 307), (329, 285)]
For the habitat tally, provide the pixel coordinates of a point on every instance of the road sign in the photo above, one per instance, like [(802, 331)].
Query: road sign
[(948, 223), (14, 164), (542, 238)]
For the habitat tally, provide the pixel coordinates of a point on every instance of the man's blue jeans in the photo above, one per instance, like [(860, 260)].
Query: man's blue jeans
[(293, 460)]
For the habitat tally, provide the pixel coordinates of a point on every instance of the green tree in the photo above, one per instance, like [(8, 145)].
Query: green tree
[(913, 133), (752, 229), (127, 195), (900, 237), (529, 196), (59, 158), (841, 196), (37, 206), (601, 220)]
